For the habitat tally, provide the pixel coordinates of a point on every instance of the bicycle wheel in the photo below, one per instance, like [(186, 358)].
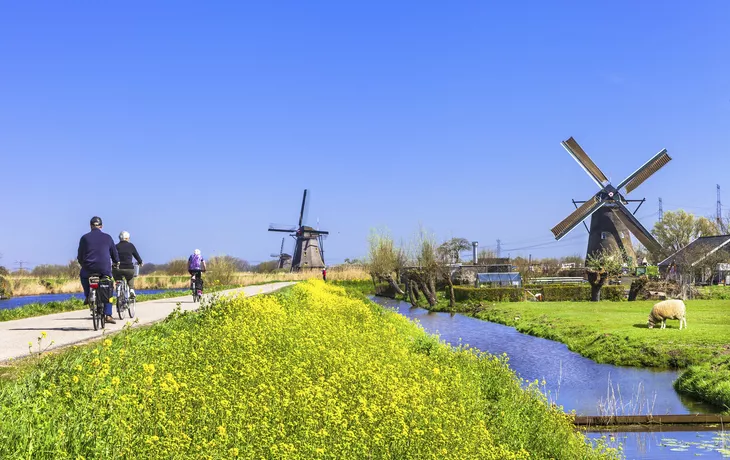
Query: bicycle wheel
[(121, 300), (94, 310), (130, 307)]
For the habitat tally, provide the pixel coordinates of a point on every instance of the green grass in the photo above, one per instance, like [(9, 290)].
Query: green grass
[(616, 332), (48, 308), (314, 372)]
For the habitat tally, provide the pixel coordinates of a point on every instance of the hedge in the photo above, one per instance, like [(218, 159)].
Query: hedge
[(551, 293), (504, 294)]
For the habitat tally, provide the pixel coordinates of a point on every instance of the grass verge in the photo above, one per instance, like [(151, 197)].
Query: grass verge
[(310, 373)]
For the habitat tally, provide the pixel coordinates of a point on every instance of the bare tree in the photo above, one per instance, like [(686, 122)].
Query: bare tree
[(384, 260)]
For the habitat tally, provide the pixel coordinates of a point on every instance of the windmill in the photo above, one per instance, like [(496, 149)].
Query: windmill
[(308, 249), (284, 259), (611, 220)]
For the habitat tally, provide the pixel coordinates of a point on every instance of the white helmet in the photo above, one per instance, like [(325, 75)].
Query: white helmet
[(124, 236), (196, 252)]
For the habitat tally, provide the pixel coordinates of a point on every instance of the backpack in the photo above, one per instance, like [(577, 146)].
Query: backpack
[(195, 262)]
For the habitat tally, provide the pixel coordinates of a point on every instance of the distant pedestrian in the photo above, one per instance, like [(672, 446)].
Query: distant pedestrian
[(324, 274)]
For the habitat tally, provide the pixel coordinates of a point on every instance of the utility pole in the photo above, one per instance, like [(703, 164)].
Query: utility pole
[(499, 249), (19, 264), (661, 210), (719, 211)]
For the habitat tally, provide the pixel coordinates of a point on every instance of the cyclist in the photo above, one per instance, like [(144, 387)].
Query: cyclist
[(127, 254), (95, 255), (196, 265)]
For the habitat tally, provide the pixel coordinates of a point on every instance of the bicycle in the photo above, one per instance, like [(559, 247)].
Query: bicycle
[(96, 301), (125, 303), (196, 285)]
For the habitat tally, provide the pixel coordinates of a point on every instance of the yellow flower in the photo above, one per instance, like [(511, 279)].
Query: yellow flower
[(222, 431), (436, 370), (76, 379), (107, 342), (233, 452), (43, 334), (115, 381)]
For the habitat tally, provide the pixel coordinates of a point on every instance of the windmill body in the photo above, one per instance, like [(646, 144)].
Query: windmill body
[(611, 221), (308, 248)]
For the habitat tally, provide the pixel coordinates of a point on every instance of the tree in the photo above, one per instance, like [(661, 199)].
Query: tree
[(603, 265), (385, 261), (445, 254), (679, 228), (452, 248), (426, 268)]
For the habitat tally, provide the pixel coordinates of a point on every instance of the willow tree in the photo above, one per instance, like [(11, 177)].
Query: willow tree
[(604, 265), (385, 261)]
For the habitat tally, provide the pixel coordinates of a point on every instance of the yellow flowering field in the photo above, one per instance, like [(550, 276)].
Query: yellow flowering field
[(312, 372)]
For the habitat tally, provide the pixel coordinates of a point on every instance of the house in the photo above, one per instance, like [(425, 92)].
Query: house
[(702, 260)]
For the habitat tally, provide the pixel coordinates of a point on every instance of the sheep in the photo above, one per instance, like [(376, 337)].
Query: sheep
[(668, 309)]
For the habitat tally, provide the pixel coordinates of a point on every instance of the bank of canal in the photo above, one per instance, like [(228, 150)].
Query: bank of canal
[(580, 384)]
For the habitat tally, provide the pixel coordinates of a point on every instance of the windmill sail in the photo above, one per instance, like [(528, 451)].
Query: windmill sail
[(585, 161), (636, 229), (576, 217), (645, 171)]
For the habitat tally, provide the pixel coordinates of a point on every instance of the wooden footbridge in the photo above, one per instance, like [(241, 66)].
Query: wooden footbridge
[(686, 422)]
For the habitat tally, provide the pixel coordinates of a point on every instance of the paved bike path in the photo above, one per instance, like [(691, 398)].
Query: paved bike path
[(76, 326)]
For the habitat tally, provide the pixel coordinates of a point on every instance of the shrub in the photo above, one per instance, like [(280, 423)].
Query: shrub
[(222, 269), (6, 288), (501, 294), (177, 267), (579, 293), (387, 290)]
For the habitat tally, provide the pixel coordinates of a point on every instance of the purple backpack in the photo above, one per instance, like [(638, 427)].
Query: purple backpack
[(195, 262)]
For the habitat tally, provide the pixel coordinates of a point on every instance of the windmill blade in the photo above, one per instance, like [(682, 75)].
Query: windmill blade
[(585, 162), (645, 171), (636, 229), (576, 217), (304, 202), (282, 228)]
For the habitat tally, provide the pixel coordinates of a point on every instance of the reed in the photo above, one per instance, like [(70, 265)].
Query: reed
[(24, 285)]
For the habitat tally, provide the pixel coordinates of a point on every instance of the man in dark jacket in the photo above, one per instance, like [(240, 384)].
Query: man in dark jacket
[(96, 254), (127, 255)]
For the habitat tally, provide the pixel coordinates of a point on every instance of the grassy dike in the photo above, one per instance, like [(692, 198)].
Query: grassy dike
[(313, 372), (616, 333)]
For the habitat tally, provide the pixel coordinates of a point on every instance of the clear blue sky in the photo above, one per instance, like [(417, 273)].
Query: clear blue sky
[(196, 124)]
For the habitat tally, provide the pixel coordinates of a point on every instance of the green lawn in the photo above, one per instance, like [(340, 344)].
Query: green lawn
[(617, 333)]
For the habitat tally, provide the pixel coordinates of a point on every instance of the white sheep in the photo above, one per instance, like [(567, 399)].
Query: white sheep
[(668, 309)]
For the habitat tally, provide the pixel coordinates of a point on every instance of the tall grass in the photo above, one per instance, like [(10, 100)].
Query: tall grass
[(310, 373), (218, 271)]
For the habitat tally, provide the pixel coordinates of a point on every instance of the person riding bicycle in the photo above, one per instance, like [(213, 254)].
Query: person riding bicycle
[(196, 265), (127, 254), (95, 255)]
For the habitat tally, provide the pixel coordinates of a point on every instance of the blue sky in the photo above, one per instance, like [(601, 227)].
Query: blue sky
[(196, 124)]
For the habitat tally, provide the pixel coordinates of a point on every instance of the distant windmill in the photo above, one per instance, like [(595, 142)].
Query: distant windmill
[(308, 249), (611, 220), (284, 259)]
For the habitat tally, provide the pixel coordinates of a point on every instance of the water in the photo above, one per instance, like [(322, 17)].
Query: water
[(672, 445), (16, 302), (579, 384)]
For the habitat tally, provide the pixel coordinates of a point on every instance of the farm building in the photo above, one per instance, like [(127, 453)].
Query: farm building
[(705, 261)]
